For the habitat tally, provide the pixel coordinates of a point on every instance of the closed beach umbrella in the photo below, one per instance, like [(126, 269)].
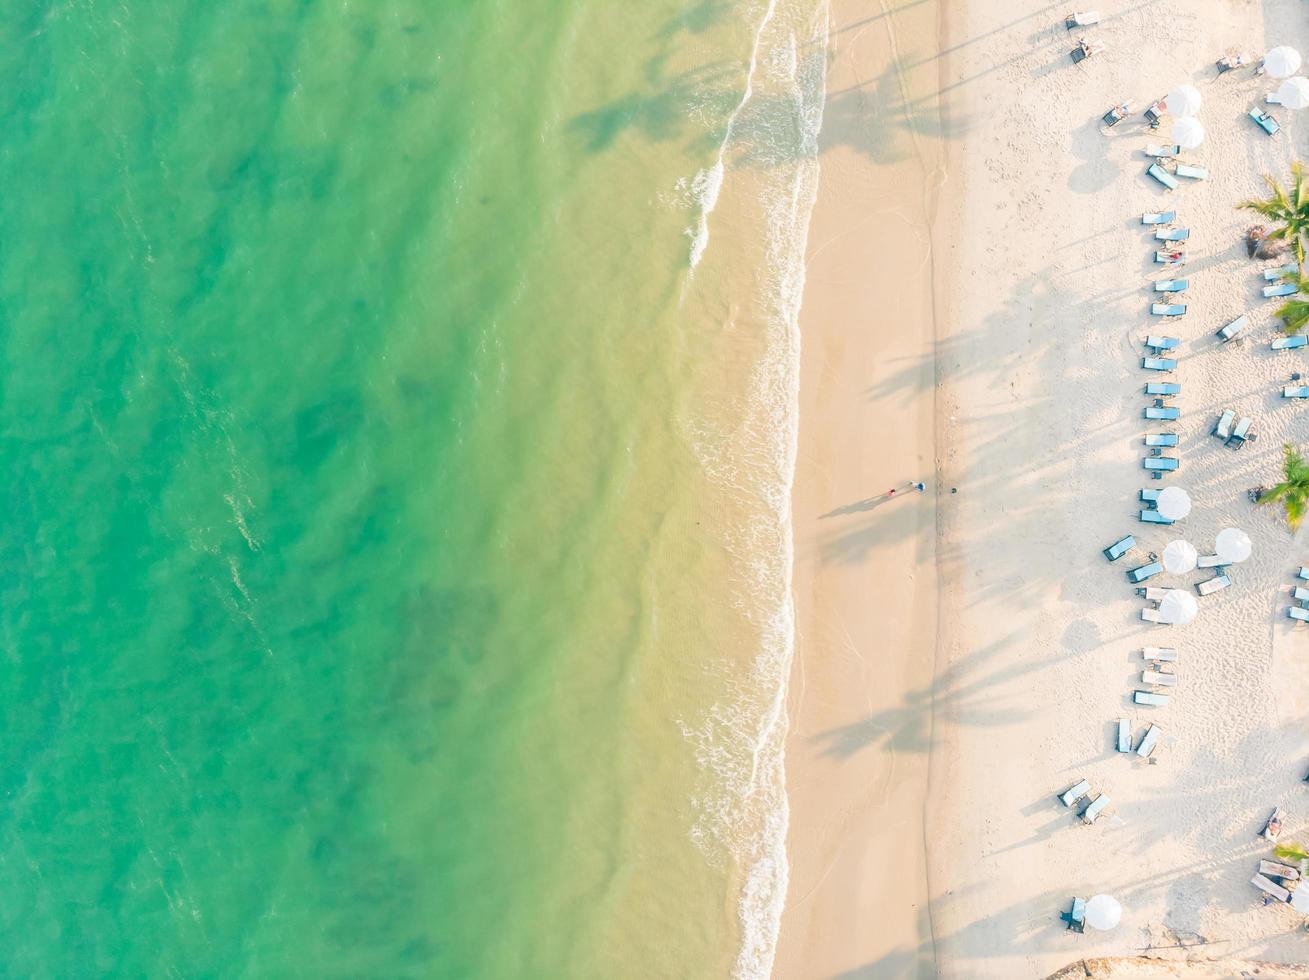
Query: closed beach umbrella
[(1232, 545), (1183, 101), (1294, 92), (1103, 912), (1282, 62), (1300, 899), (1174, 503), (1177, 608), (1188, 133), (1179, 557)]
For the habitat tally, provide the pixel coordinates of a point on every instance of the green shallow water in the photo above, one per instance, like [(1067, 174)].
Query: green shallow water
[(375, 586)]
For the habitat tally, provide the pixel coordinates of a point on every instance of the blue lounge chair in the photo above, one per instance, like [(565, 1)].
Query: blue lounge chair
[(1163, 176), (1162, 152), (1162, 388), (1150, 496), (1289, 343), (1233, 328), (1076, 916), (1298, 612), (1295, 391), (1242, 434), (1171, 285), (1158, 363), (1172, 234), (1161, 438), (1148, 741), (1265, 122), (1153, 517), (1142, 572), (1124, 735), (1223, 427), (1300, 594), (1194, 173), (1167, 309), (1120, 547), (1162, 413), (1150, 698), (1272, 275), (1160, 464), (1075, 792), (1303, 573), (1158, 217), (1279, 289), (1162, 343)]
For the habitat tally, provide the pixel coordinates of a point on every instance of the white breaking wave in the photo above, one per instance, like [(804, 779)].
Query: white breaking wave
[(773, 132)]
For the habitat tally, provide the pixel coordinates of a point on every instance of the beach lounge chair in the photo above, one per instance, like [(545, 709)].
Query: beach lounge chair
[(1210, 561), (1158, 678), (1083, 19), (1171, 256), (1117, 114), (1084, 50), (1162, 152), (1162, 413), (1191, 172), (1148, 741), (1294, 342), (1172, 234), (1273, 828), (1295, 391), (1154, 517), (1161, 438), (1096, 808), (1161, 464), (1157, 343), (1074, 792), (1281, 272), (1142, 572), (1232, 329), (1300, 594), (1165, 655), (1124, 735), (1152, 616), (1303, 573), (1264, 121), (1223, 427), (1274, 870), (1076, 916), (1279, 289), (1167, 309), (1163, 176), (1150, 496), (1242, 434), (1171, 285), (1298, 613), (1162, 388), (1215, 584), (1158, 363), (1158, 217), (1150, 698), (1153, 593), (1228, 62), (1154, 112), (1265, 884), (1120, 547)]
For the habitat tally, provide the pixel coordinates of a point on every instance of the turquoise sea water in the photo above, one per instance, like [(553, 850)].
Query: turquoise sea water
[(395, 560)]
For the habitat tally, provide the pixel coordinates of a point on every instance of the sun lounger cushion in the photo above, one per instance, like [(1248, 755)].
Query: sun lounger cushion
[(1161, 464), (1163, 413), (1150, 496), (1274, 870), (1124, 735), (1169, 258), (1148, 741), (1158, 363), (1171, 285), (1162, 152), (1172, 234), (1163, 176), (1161, 654), (1194, 173), (1295, 391), (1161, 438), (1150, 698), (1289, 343), (1281, 272), (1161, 343), (1167, 309), (1158, 217), (1242, 430), (1223, 428), (1213, 585), (1075, 792), (1095, 809), (1265, 122), (1300, 594), (1120, 547), (1158, 678), (1279, 289), (1271, 887), (1303, 573), (1154, 517), (1298, 612), (1210, 561), (1142, 572), (1162, 388), (1233, 328)]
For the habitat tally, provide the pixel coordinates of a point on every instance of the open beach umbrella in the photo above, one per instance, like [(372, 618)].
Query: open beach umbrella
[(1294, 92), (1300, 900), (1174, 503), (1232, 544), (1180, 556), (1183, 101), (1103, 912), (1188, 133), (1282, 62), (1177, 608)]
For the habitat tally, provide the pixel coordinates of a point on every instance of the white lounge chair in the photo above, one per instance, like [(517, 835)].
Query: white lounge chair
[(1074, 792), (1163, 655), (1124, 735), (1150, 698), (1095, 809), (1271, 887), (1158, 678), (1148, 741), (1215, 584)]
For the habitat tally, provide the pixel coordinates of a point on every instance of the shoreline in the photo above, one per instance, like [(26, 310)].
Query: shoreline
[(860, 703)]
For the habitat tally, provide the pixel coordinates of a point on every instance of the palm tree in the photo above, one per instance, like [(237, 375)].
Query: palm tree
[(1295, 311), (1290, 207), (1292, 491), (1291, 852)]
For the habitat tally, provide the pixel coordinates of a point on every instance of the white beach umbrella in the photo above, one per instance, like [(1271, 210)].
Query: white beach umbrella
[(1282, 62), (1103, 912), (1294, 92), (1188, 133), (1174, 503), (1232, 544), (1300, 899), (1180, 557), (1183, 101), (1177, 608)]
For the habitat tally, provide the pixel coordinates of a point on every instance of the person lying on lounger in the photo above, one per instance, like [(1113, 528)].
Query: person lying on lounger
[(1232, 60)]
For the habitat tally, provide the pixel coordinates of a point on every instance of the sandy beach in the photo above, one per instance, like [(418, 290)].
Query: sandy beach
[(978, 290)]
